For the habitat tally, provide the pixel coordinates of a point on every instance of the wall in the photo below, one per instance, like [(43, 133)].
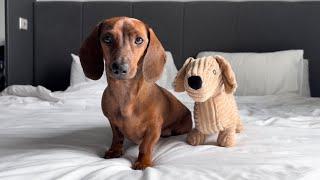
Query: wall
[(2, 22), (177, 0)]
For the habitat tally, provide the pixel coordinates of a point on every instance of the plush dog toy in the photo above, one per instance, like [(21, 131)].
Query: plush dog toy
[(210, 82)]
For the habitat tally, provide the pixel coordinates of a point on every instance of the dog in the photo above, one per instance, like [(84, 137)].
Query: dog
[(135, 106)]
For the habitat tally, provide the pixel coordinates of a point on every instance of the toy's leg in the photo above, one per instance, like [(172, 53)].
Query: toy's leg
[(227, 138), (239, 127), (195, 138)]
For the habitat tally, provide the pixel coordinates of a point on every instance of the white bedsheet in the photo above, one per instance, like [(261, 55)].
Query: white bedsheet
[(65, 136)]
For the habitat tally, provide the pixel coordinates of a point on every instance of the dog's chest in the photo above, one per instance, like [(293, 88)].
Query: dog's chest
[(127, 121), (131, 128)]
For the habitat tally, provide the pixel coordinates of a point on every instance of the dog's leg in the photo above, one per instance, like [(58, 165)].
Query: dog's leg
[(195, 137), (116, 149), (227, 137), (150, 138), (184, 125)]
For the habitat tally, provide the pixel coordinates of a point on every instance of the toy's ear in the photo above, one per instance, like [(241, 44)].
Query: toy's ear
[(228, 75), (178, 83), (154, 59), (91, 56)]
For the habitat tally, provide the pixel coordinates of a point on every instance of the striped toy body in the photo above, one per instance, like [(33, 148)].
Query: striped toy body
[(216, 114)]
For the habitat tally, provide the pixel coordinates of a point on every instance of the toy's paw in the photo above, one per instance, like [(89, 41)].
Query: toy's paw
[(239, 128), (113, 153), (140, 165), (226, 138), (195, 138)]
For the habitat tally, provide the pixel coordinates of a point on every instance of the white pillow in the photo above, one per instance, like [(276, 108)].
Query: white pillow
[(169, 72), (304, 88), (261, 74), (77, 75)]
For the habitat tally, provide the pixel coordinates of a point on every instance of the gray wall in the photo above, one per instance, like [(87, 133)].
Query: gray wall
[(2, 22), (175, 0)]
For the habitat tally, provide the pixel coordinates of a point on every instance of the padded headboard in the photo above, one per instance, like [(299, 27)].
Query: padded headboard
[(19, 46), (185, 28)]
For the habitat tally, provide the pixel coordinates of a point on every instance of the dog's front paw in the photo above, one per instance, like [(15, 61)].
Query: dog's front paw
[(140, 165), (113, 153)]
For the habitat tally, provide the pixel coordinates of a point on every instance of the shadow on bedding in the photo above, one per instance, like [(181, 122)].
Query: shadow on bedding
[(92, 140)]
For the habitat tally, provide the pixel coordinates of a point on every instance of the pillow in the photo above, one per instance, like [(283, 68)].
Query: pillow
[(304, 88), (169, 72), (77, 75), (261, 74)]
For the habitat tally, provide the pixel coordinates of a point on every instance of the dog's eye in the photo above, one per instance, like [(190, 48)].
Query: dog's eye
[(138, 40), (107, 39), (214, 72)]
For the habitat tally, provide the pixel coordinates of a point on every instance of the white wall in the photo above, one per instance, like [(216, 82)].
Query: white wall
[(2, 22)]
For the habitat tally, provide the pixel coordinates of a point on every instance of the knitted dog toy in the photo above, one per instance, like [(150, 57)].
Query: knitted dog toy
[(210, 82)]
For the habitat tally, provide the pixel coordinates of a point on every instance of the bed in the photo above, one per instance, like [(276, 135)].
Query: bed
[(63, 135)]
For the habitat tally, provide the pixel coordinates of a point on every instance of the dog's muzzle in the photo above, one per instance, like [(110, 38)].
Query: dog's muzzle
[(119, 69)]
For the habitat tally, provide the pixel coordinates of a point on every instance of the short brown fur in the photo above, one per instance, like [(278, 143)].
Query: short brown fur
[(136, 107)]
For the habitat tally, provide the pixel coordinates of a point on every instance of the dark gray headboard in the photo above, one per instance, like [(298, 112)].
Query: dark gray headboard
[(61, 26), (19, 44), (185, 28), (58, 32)]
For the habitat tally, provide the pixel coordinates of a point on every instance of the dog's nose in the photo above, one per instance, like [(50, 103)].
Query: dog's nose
[(119, 68), (195, 82)]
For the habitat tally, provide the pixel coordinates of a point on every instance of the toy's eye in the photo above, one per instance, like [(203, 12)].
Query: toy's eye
[(214, 72)]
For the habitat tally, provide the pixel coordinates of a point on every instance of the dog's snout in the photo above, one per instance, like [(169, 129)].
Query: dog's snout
[(119, 68), (195, 82)]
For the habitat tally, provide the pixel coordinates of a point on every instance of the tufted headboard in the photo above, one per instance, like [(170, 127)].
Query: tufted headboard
[(185, 28)]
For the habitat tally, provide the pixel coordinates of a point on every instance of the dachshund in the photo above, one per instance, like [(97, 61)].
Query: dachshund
[(135, 106)]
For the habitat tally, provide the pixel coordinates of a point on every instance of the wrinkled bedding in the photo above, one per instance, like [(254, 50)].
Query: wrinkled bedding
[(63, 135)]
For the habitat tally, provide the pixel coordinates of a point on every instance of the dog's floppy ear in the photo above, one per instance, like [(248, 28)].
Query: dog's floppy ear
[(91, 56), (178, 83), (154, 59), (228, 75)]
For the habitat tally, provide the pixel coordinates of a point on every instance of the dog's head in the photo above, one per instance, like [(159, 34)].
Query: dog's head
[(204, 77), (128, 47)]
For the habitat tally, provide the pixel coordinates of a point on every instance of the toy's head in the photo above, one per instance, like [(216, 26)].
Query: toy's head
[(205, 77)]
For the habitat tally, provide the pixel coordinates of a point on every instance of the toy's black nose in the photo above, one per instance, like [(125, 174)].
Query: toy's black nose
[(195, 82)]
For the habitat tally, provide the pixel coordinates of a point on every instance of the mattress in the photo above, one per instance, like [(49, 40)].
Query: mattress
[(63, 135)]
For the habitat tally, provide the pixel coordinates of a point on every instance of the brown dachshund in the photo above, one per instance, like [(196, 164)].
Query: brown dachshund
[(136, 107)]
